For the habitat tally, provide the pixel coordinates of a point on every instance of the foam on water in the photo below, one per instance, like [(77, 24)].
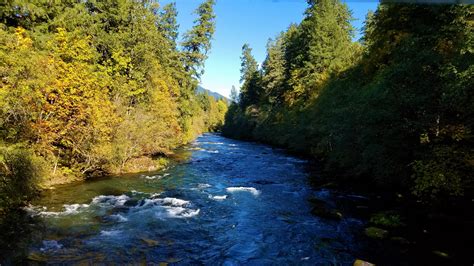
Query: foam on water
[(179, 212), (167, 207), (223, 197), (151, 177), (69, 209), (110, 233), (252, 190), (110, 200), (174, 202), (202, 186)]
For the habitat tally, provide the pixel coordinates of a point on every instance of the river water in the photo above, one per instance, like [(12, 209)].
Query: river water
[(227, 202)]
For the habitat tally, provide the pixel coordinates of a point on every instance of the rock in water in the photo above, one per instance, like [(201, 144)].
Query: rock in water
[(375, 232), (150, 242), (362, 263)]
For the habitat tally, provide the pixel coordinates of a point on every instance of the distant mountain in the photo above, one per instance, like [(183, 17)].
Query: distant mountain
[(217, 96)]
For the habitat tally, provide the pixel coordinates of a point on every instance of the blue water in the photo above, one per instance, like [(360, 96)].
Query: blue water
[(227, 202)]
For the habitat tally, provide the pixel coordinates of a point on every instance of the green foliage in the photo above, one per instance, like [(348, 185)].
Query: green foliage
[(394, 110), (445, 173), (20, 168), (168, 23), (93, 87), (387, 220), (250, 76), (197, 42)]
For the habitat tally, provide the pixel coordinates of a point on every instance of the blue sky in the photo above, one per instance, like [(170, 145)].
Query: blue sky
[(252, 22)]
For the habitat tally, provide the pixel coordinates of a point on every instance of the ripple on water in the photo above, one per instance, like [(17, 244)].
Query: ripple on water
[(50, 245)]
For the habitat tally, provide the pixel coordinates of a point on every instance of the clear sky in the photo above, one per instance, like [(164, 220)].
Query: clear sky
[(252, 22)]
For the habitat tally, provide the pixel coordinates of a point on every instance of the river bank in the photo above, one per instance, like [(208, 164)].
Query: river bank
[(402, 230)]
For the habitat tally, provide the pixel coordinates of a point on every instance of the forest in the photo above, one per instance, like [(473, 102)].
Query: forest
[(91, 88), (392, 111), (339, 148)]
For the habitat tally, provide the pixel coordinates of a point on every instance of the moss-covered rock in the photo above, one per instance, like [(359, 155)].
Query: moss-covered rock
[(387, 219), (376, 233), (359, 262)]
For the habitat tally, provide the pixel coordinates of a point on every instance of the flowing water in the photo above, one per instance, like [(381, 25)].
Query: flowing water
[(227, 202)]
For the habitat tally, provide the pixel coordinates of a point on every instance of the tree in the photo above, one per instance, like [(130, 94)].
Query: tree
[(273, 68), (325, 40), (90, 87), (250, 76), (248, 65), (197, 41), (234, 95), (395, 110), (168, 24)]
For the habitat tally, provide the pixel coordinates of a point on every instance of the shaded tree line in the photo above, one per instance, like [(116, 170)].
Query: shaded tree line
[(394, 109), (95, 87)]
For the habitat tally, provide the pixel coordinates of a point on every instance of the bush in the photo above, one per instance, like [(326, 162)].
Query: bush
[(20, 171)]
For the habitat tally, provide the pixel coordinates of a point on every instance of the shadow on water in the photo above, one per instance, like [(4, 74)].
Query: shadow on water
[(17, 230)]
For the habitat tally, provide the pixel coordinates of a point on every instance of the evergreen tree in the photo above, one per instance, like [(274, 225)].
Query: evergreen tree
[(326, 43), (197, 41), (395, 111), (250, 76), (273, 68), (234, 95), (168, 24)]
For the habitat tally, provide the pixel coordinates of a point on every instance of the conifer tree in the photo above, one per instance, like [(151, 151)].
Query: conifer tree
[(273, 68), (168, 25), (234, 95), (197, 41), (325, 43), (250, 76)]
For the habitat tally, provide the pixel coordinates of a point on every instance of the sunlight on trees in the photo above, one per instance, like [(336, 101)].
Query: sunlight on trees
[(394, 109), (88, 87)]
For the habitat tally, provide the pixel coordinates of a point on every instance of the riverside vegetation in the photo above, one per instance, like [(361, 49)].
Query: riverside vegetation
[(390, 114), (95, 87), (394, 109)]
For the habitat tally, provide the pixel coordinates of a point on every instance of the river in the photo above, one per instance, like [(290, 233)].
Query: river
[(227, 202)]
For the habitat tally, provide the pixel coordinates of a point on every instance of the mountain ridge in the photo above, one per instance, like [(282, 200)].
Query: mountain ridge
[(216, 95)]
